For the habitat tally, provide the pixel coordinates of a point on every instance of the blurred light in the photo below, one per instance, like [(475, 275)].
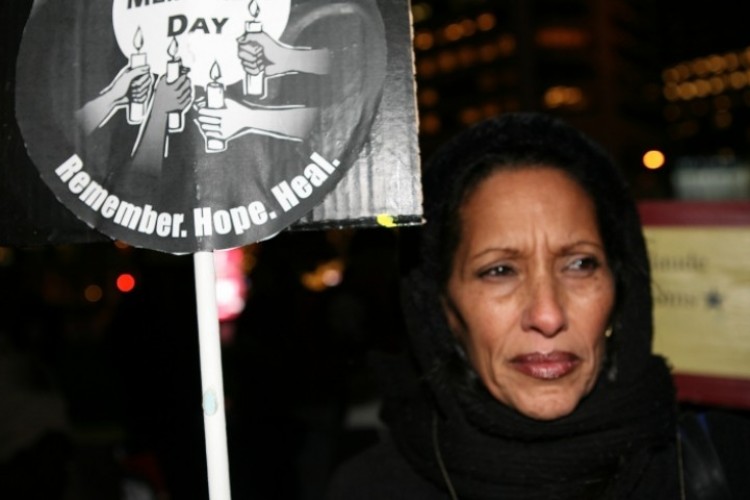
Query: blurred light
[(467, 55), (427, 67), (488, 52), (424, 40), (723, 119), (470, 115), (702, 88), (93, 293), (125, 282), (491, 109), (670, 75), (653, 159), (716, 64), (486, 21), (331, 277), (6, 256), (506, 44), (561, 37), (231, 285), (328, 274), (737, 79), (428, 97), (453, 32), (699, 67), (553, 98), (469, 27), (687, 90), (230, 298), (121, 245), (717, 85), (561, 95), (683, 71), (421, 12), (447, 61), (670, 92), (430, 123), (732, 61)]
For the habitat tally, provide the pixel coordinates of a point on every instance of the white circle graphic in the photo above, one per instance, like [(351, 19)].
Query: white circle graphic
[(205, 31)]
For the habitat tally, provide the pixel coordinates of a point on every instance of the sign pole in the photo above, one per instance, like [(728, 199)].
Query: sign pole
[(214, 418)]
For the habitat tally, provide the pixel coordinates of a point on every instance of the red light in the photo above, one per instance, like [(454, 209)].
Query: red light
[(125, 282)]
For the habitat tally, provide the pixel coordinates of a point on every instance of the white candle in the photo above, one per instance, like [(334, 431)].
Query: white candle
[(253, 27), (174, 68), (173, 73), (137, 109), (215, 100), (215, 95), (255, 84), (137, 60)]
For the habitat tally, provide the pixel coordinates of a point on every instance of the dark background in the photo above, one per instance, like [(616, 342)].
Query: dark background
[(126, 365)]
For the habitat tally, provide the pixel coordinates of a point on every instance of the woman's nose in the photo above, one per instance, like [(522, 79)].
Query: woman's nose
[(544, 312)]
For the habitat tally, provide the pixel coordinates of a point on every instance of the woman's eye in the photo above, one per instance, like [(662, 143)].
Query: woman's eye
[(584, 264), (497, 271)]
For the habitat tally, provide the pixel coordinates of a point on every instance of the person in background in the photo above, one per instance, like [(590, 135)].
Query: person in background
[(530, 373)]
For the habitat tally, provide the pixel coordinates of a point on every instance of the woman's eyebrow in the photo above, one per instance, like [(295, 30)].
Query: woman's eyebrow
[(570, 247), (508, 252)]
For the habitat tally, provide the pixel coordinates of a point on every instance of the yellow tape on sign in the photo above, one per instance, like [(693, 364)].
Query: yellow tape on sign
[(701, 289)]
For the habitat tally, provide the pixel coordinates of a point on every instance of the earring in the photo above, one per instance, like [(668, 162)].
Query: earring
[(608, 332)]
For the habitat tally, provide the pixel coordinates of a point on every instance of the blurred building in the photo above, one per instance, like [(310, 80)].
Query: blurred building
[(597, 64), (607, 67)]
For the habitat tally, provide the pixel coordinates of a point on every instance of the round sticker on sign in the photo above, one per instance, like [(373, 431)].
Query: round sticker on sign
[(186, 126)]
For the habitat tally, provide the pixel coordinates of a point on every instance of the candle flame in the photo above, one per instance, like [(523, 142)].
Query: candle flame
[(173, 47), (254, 9), (138, 39), (215, 71)]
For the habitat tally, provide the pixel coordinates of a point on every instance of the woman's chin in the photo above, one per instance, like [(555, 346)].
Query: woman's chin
[(546, 407)]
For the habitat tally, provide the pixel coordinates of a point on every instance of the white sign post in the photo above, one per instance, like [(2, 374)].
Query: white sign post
[(212, 381)]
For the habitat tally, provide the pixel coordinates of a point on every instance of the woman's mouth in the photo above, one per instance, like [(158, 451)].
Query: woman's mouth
[(550, 366)]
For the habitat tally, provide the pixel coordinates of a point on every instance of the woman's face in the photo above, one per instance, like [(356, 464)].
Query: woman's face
[(530, 292)]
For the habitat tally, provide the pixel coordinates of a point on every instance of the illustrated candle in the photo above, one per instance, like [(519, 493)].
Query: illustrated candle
[(137, 109), (215, 100), (174, 68), (255, 84)]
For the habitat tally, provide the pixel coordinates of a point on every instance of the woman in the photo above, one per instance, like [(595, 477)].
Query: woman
[(529, 317)]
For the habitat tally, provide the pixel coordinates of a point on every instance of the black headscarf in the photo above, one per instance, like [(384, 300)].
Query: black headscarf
[(620, 440)]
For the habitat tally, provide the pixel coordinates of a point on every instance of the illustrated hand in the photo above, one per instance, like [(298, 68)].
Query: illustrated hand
[(128, 84), (225, 123), (140, 87), (258, 52), (235, 119), (119, 90), (172, 97)]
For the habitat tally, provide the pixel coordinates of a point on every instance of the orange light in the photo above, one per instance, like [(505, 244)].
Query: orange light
[(653, 159), (486, 21), (125, 282), (93, 293)]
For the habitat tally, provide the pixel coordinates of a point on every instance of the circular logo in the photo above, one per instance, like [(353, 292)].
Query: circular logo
[(188, 125)]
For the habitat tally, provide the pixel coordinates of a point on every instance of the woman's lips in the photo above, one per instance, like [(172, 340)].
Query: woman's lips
[(549, 366)]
